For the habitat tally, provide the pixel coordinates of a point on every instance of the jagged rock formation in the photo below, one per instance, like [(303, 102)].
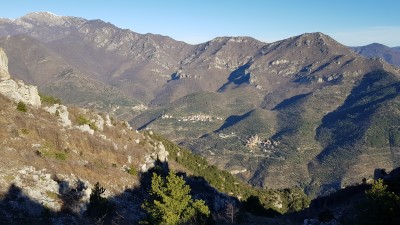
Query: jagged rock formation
[(44, 188), (4, 75), (47, 164), (62, 112), (16, 91), (160, 154), (19, 91)]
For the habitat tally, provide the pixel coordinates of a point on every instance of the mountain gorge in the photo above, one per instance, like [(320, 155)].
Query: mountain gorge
[(301, 112)]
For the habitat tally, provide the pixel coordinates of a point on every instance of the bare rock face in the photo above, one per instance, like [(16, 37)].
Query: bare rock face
[(162, 154), (85, 128), (99, 122), (63, 113), (4, 75), (159, 154), (16, 91)]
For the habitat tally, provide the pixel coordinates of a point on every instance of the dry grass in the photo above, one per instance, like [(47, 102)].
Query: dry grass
[(37, 139)]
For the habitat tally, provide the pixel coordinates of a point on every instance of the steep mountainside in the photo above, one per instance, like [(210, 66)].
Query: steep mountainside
[(146, 68), (52, 156), (53, 75), (263, 123), (391, 55), (282, 114)]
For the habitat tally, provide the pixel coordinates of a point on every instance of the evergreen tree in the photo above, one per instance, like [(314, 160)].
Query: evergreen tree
[(98, 205), (171, 202), (380, 207)]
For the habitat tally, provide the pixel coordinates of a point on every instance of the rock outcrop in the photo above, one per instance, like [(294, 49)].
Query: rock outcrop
[(159, 154), (16, 91), (44, 189), (62, 112), (85, 128), (4, 75)]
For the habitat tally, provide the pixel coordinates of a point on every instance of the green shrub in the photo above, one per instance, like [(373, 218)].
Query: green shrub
[(50, 100), (82, 120), (49, 151), (62, 156), (24, 131), (131, 171), (22, 107)]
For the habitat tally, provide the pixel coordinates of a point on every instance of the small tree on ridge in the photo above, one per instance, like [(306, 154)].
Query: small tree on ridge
[(171, 202)]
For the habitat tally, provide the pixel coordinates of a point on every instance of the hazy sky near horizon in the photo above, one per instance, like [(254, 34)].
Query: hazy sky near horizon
[(350, 22)]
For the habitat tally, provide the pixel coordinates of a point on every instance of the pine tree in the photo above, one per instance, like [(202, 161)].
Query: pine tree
[(171, 202), (381, 206), (98, 205)]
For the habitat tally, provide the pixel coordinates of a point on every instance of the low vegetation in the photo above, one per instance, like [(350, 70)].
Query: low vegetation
[(48, 150), (21, 106), (49, 100), (291, 199), (82, 120), (132, 171)]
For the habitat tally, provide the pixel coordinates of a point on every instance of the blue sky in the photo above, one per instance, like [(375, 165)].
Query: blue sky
[(350, 22)]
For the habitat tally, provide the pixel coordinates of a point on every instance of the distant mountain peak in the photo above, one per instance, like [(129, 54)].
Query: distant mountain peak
[(233, 39), (49, 18), (40, 15), (316, 39), (376, 44), (316, 36)]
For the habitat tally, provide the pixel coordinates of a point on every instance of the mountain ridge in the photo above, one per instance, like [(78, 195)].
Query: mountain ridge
[(391, 55), (243, 104), (53, 155)]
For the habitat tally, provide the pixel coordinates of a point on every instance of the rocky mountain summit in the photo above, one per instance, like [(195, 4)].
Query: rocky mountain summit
[(324, 116)]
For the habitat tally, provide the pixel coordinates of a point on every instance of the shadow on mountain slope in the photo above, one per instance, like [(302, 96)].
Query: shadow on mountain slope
[(237, 77), (16, 207), (289, 101), (357, 204), (232, 120), (339, 128)]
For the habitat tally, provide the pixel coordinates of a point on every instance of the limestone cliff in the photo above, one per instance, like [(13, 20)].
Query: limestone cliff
[(4, 75), (16, 91)]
